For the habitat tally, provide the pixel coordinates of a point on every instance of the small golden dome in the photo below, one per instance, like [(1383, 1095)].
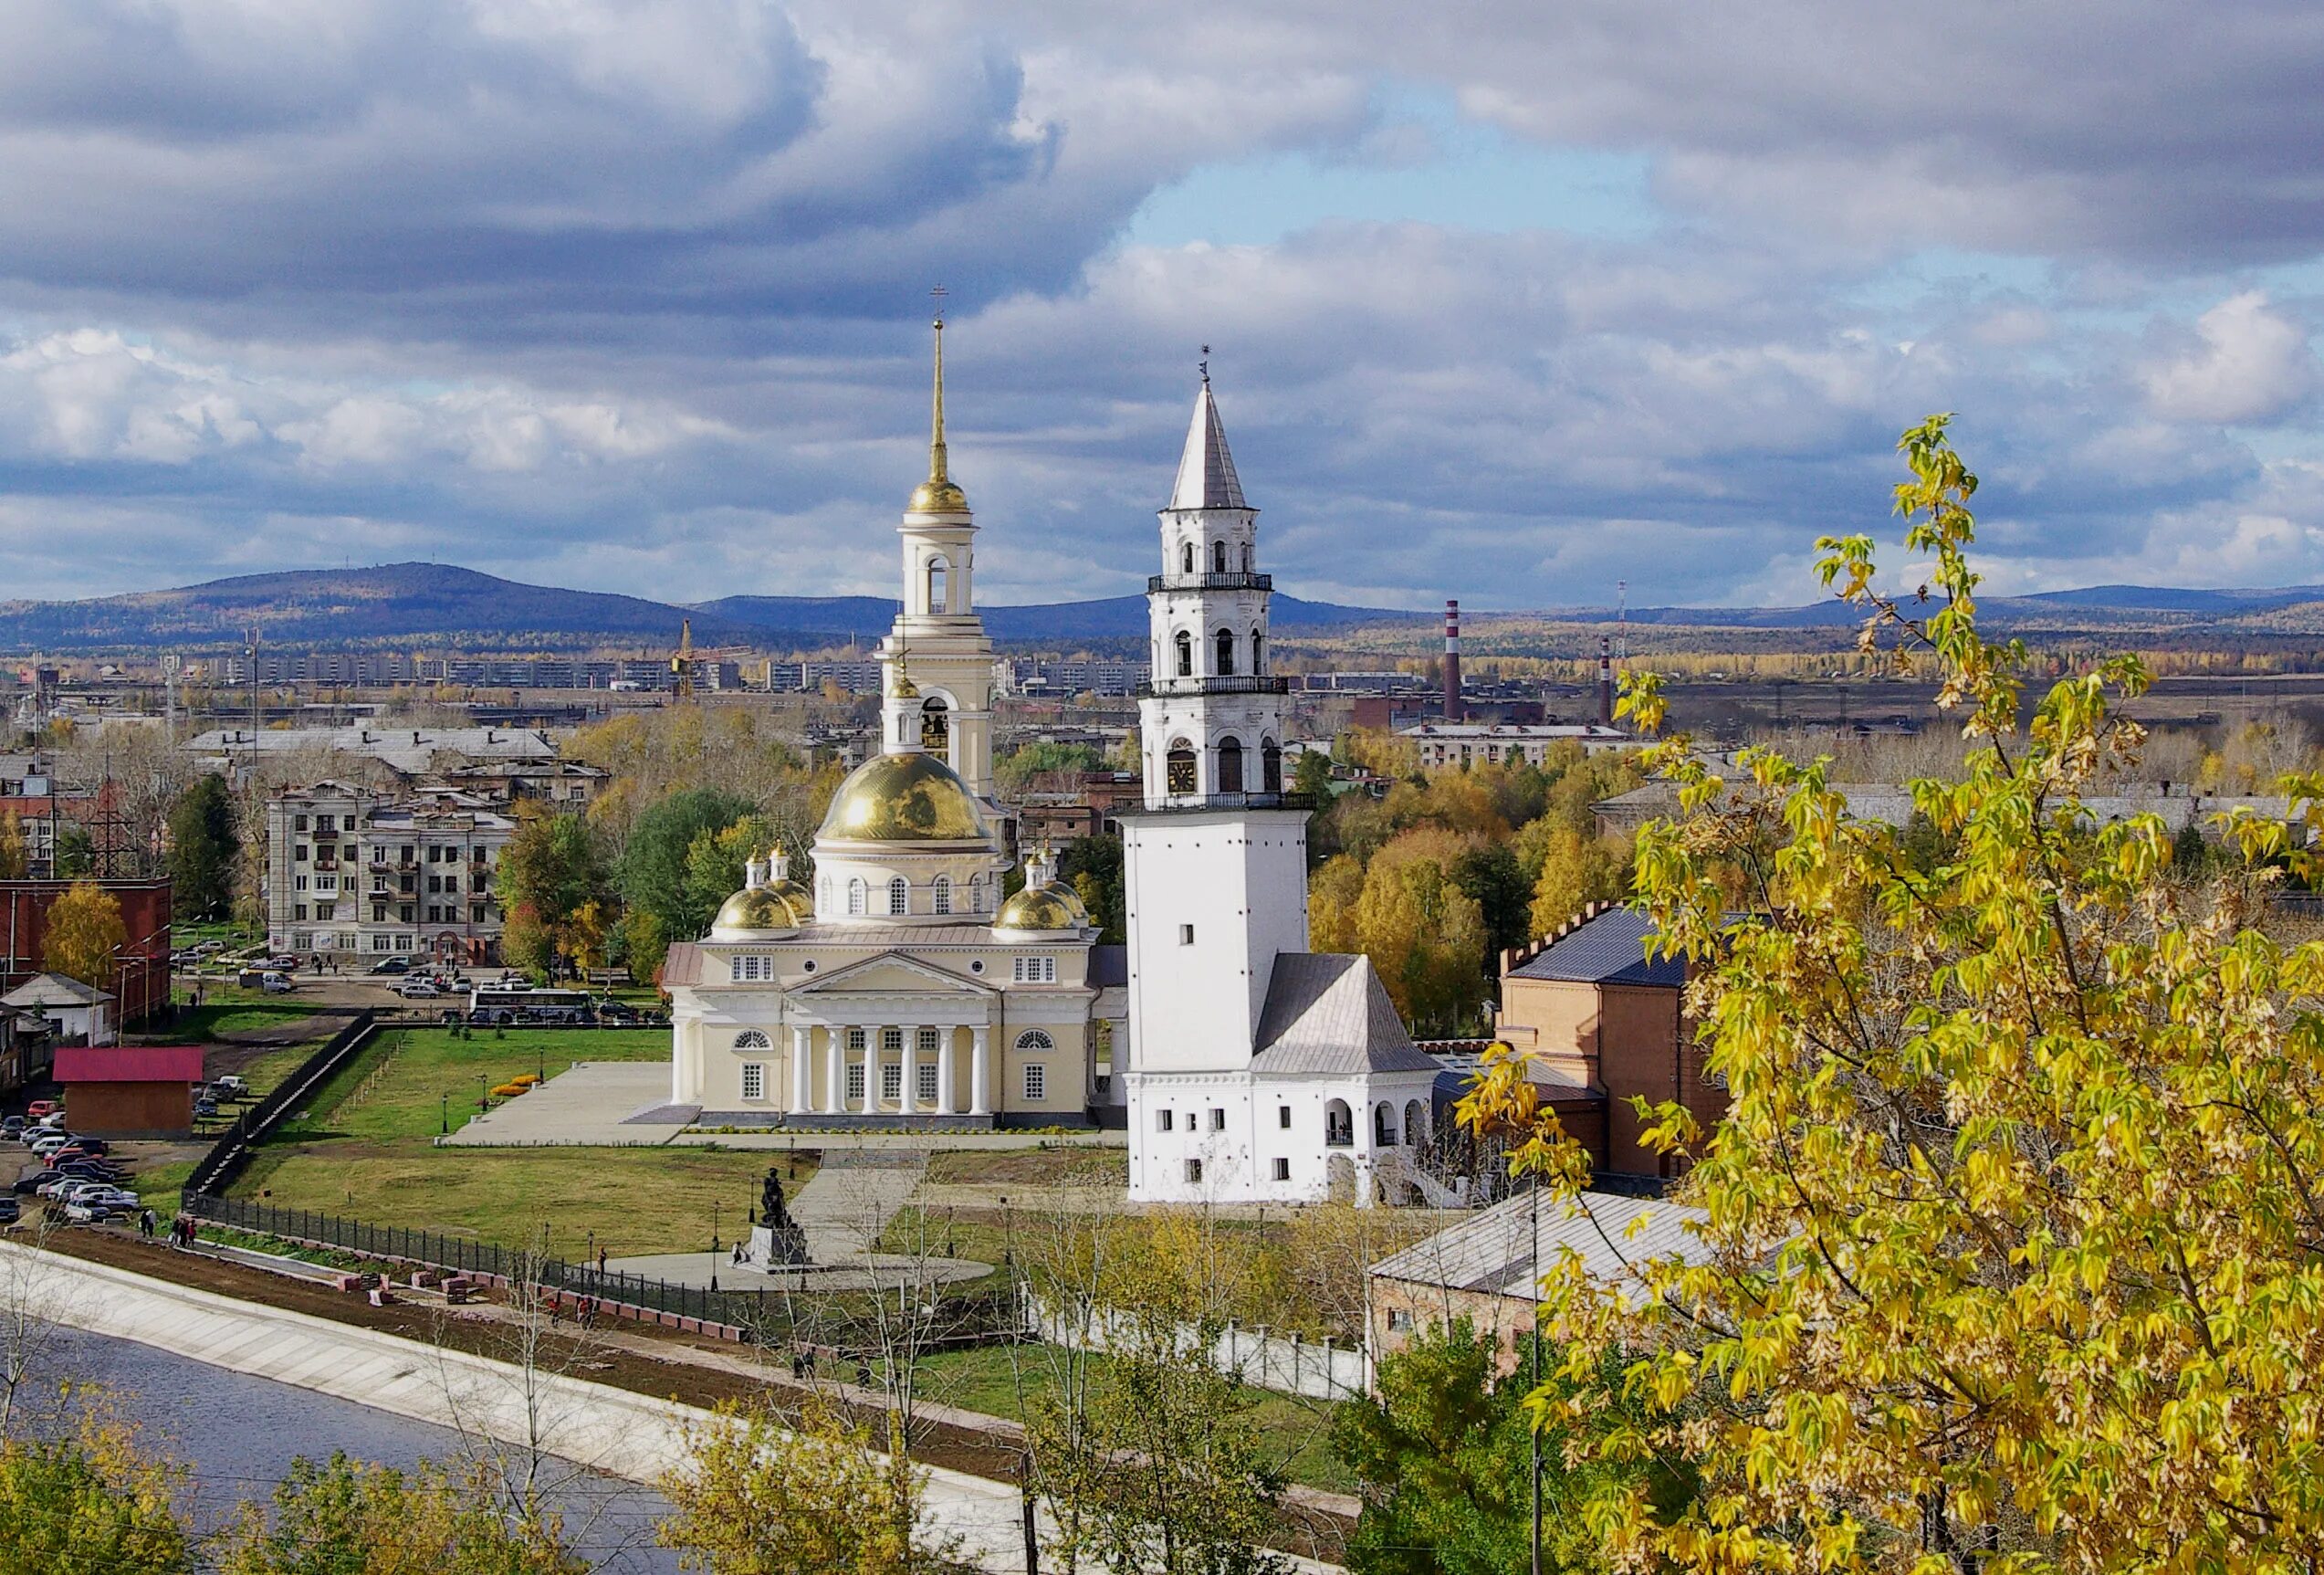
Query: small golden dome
[(912, 797), (759, 908), (938, 497), (1043, 907)]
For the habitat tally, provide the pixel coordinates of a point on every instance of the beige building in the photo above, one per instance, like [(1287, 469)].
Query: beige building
[(900, 990)]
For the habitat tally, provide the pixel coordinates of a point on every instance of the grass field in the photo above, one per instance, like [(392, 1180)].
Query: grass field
[(203, 1025), (986, 1379), (364, 1146)]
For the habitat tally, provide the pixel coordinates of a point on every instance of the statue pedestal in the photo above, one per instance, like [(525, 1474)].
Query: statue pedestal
[(772, 1249)]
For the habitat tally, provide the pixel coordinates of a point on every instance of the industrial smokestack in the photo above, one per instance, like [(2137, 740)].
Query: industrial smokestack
[(1604, 682), (1453, 711)]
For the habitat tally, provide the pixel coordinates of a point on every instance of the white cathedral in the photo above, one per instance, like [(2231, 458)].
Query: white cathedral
[(899, 992)]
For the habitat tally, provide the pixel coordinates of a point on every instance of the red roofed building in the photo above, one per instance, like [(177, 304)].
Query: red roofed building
[(140, 1092)]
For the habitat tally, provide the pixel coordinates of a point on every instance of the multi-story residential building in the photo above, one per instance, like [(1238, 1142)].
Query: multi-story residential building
[(408, 751), (355, 875), (560, 784), (1449, 746)]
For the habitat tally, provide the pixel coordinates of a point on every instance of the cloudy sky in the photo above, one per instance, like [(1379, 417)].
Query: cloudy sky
[(1506, 300)]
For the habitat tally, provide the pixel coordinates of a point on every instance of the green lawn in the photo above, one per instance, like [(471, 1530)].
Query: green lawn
[(986, 1379), (364, 1146), (203, 1025)]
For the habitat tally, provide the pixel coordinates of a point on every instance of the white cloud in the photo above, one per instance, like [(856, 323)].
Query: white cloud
[(2251, 364)]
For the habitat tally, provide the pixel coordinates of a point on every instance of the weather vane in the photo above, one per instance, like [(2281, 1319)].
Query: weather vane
[(939, 292)]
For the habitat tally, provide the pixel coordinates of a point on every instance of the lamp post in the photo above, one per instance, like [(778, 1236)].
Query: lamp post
[(714, 1228), (446, 1113), (480, 1082)]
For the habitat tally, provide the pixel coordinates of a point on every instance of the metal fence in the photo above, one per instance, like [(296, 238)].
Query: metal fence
[(770, 1316), (216, 1169)]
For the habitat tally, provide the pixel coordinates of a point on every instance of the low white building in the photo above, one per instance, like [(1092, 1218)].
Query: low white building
[(359, 875), (1449, 746), (75, 1010)]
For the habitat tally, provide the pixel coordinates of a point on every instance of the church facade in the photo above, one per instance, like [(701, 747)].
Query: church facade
[(899, 989)]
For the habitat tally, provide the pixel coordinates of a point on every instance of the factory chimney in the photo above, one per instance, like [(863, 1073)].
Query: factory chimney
[(1604, 682), (1452, 709)]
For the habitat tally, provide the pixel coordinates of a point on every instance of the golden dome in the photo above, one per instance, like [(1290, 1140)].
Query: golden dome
[(938, 497), (764, 907), (911, 797), (1052, 907)]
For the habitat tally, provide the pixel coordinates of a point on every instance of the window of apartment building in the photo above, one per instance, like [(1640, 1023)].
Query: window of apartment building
[(1161, 1120), (326, 883), (297, 911), (754, 1080), (1194, 1172), (379, 915), (402, 943), (326, 910), (381, 942), (325, 824), (1036, 970), (1283, 1117), (1036, 1082), (751, 970), (1283, 1169), (1217, 1120), (298, 883), (475, 913), (379, 883), (403, 912), (348, 852), (451, 883), (299, 853), (299, 823), (301, 942)]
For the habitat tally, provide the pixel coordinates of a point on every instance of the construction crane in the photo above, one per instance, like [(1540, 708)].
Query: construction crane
[(682, 664)]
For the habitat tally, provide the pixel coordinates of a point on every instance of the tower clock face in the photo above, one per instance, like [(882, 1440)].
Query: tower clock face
[(1181, 771)]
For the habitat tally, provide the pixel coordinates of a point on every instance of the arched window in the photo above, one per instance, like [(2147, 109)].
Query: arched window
[(1258, 653), (1178, 769), (1246, 557), (899, 896), (1033, 1040), (1218, 557), (1185, 643), (1270, 767), (1186, 559), (938, 574), (855, 894), (942, 891), (975, 895), (751, 1039), (1416, 1123), (1226, 644), (1384, 1125), (1229, 765), (935, 724)]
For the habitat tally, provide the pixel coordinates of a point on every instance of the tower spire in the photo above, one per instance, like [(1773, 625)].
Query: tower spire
[(938, 494)]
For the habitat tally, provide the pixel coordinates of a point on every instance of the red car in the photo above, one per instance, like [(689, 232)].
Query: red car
[(40, 1107)]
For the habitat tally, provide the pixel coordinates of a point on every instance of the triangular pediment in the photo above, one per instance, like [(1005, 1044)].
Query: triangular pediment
[(891, 973)]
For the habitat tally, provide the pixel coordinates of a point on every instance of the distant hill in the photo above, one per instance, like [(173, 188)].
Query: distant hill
[(439, 604)]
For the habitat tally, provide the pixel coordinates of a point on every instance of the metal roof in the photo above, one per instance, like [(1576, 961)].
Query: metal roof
[(1607, 950), (1504, 1250), (1205, 470), (55, 990), (141, 1064), (1329, 1013)]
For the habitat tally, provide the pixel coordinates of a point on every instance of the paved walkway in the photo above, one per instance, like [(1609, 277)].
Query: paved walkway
[(843, 1208), (586, 1106)]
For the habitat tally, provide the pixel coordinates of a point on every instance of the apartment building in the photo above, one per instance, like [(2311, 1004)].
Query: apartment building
[(355, 875)]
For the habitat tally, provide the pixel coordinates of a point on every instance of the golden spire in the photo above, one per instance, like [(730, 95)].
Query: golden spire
[(938, 495)]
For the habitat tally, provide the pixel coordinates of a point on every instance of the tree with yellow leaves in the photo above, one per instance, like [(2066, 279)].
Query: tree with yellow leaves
[(2013, 1253), (16, 854), (84, 935)]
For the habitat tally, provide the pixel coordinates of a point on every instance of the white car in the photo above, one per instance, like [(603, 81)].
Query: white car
[(120, 1200), (418, 990)]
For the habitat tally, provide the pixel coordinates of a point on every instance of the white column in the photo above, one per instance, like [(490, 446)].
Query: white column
[(801, 1078), (944, 1070), (907, 1092), (980, 1080), (871, 1036), (835, 1069)]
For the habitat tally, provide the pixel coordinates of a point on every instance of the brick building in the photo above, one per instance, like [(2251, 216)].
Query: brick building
[(1607, 1025), (142, 974)]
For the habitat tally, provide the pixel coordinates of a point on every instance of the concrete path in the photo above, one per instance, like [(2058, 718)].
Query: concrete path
[(843, 1208), (583, 1106)]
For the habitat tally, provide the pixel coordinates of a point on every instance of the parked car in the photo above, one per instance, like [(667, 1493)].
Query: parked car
[(391, 965), (617, 1012), (418, 990), (204, 1109), (10, 1210), (275, 983), (48, 1143), (87, 1214), (12, 1125), (29, 1183), (40, 1108)]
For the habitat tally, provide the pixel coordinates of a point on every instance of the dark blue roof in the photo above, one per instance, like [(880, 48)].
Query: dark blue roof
[(1607, 950)]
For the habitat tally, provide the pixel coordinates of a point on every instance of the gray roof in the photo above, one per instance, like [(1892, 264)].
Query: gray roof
[(1495, 1252), (1329, 1013), (1890, 803), (54, 990), (1205, 470), (1607, 950)]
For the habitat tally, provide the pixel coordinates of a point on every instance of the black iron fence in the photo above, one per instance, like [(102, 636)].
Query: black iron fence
[(770, 1316), (227, 1157)]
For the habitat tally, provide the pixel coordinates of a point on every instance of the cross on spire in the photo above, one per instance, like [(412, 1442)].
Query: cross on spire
[(1204, 365)]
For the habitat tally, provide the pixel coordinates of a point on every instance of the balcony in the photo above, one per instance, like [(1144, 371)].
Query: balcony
[(1158, 583), (1190, 802), (1167, 689)]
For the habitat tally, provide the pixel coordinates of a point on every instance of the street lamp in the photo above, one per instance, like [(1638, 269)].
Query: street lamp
[(447, 1113), (714, 1226)]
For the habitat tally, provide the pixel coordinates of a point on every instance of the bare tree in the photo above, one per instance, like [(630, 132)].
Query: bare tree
[(35, 1305)]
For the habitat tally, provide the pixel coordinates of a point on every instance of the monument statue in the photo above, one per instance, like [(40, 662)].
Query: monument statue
[(778, 1241)]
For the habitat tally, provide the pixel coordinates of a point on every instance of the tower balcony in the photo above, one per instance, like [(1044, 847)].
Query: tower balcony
[(1195, 803), (1156, 583), (1174, 688)]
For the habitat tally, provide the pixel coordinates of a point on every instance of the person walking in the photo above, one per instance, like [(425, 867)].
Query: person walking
[(145, 1223)]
